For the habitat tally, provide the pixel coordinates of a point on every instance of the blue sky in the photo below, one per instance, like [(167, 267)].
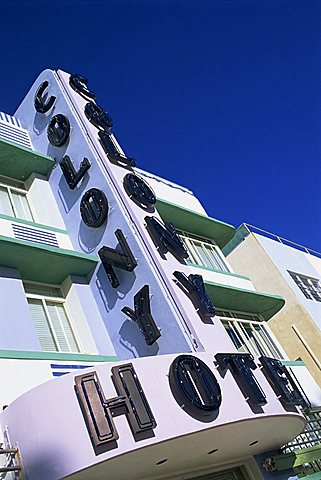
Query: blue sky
[(223, 97)]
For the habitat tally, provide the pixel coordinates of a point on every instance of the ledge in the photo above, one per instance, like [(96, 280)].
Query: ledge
[(42, 263), (195, 223), (19, 162), (80, 357), (232, 298), (241, 233)]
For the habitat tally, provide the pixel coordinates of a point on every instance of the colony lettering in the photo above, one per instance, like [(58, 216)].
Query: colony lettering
[(94, 208), (192, 384)]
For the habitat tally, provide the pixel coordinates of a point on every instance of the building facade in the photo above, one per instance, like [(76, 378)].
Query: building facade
[(280, 266), (130, 348)]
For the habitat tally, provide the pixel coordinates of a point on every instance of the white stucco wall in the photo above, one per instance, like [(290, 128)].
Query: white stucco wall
[(43, 203), (287, 258), (171, 192)]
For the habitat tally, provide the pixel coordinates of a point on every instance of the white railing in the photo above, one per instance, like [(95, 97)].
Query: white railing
[(285, 241), (310, 437)]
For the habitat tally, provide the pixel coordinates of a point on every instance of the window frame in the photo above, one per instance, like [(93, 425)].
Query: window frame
[(188, 240), (20, 188), (236, 324), (307, 290), (61, 300)]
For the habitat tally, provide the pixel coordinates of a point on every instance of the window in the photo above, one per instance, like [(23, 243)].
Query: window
[(203, 251), (233, 474), (309, 286), (13, 200), (51, 320), (249, 334)]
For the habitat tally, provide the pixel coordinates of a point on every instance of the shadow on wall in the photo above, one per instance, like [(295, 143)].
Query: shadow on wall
[(7, 272), (57, 152), (110, 295), (70, 197), (44, 460), (133, 340), (90, 238), (131, 337), (41, 121)]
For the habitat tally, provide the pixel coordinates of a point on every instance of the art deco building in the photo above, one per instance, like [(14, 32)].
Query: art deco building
[(293, 271), (130, 349)]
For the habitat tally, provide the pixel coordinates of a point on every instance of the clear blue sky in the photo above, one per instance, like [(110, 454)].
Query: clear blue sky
[(223, 97)]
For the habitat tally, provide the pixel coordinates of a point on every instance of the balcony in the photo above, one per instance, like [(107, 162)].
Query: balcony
[(228, 297), (42, 262)]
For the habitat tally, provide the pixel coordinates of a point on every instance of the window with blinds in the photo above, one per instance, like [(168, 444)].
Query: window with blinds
[(14, 202), (51, 320), (249, 334), (203, 252)]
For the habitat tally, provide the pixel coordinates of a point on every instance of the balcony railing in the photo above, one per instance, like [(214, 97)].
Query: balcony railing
[(310, 437), (245, 229)]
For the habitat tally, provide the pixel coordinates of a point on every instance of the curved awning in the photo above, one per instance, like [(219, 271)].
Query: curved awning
[(42, 263), (19, 163), (233, 298), (195, 223)]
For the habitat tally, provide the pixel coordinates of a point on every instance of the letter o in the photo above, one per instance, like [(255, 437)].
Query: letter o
[(94, 208), (139, 191), (58, 130), (195, 387)]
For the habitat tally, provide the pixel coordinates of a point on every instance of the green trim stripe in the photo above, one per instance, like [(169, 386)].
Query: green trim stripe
[(293, 363), (196, 223), (80, 357), (32, 224)]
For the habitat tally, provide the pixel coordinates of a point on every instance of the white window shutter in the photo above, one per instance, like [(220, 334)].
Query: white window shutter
[(62, 327), (42, 326)]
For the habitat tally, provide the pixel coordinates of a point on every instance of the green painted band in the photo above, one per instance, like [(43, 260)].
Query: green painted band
[(80, 357), (19, 162), (32, 224), (194, 212), (195, 222), (26, 150), (228, 297), (232, 274), (293, 363)]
